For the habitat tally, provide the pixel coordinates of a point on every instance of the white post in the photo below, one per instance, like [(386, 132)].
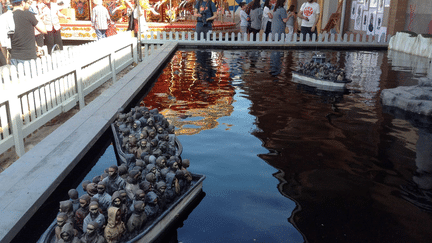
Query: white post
[(79, 78), (15, 112)]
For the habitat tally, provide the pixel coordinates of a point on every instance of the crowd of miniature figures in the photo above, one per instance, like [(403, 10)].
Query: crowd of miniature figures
[(119, 203), (324, 71)]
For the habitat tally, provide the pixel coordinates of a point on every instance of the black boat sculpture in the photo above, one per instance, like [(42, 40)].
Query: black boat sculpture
[(321, 74), (183, 189)]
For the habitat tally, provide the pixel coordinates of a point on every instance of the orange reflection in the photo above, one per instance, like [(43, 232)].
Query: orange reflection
[(193, 91)]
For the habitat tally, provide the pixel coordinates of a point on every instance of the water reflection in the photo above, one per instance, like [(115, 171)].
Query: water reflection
[(193, 91), (348, 166), (419, 190)]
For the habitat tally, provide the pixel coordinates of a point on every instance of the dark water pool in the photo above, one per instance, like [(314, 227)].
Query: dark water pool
[(289, 163)]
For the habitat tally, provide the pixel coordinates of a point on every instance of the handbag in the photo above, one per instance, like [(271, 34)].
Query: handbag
[(112, 30)]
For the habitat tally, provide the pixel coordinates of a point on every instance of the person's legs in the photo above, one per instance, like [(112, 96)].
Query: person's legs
[(304, 31), (58, 39), (49, 41), (255, 33), (16, 61), (199, 29), (268, 30), (290, 29), (2, 59), (100, 33)]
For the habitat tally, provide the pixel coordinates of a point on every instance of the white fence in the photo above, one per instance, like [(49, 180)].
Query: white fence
[(232, 38), (34, 93)]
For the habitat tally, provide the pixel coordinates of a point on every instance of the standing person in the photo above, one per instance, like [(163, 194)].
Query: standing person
[(36, 8), (143, 27), (243, 19), (100, 18), (256, 14), (23, 40), (206, 12), (50, 17), (309, 13), (291, 19), (266, 20), (279, 18)]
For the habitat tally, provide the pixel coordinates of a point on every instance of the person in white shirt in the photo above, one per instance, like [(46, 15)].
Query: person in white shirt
[(100, 18), (266, 20), (243, 18), (309, 13), (50, 17)]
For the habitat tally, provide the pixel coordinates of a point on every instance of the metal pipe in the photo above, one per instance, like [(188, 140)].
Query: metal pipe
[(342, 17), (138, 7)]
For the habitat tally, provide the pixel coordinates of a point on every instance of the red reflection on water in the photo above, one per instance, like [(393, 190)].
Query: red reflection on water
[(196, 85)]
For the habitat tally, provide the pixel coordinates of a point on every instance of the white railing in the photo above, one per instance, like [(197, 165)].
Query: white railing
[(221, 38), (34, 93)]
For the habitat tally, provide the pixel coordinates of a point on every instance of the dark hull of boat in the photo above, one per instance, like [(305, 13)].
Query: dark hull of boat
[(126, 157), (155, 228)]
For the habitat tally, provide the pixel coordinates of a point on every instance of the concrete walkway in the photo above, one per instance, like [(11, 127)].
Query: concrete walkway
[(30, 180)]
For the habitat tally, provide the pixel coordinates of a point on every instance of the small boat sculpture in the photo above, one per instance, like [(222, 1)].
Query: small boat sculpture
[(321, 74), (137, 200)]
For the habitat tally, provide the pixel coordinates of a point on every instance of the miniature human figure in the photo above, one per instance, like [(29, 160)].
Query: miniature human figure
[(151, 168), (115, 227), (185, 164), (62, 219), (143, 147), (139, 196), (125, 199), (180, 175), (96, 179), (137, 219), (116, 201), (67, 208), (173, 165), (91, 189), (173, 188), (67, 234), (151, 178), (132, 183), (93, 216), (123, 172), (85, 184), (124, 136), (82, 211), (160, 191), (152, 207), (73, 197), (92, 235), (161, 162), (146, 186), (136, 127), (114, 182)]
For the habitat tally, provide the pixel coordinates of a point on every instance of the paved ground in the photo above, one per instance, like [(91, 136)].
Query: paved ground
[(7, 158)]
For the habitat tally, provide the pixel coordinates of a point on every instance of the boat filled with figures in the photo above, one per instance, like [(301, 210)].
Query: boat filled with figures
[(137, 199), (321, 74)]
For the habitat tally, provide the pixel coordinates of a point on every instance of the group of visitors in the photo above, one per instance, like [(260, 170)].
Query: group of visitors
[(26, 27), (276, 19)]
